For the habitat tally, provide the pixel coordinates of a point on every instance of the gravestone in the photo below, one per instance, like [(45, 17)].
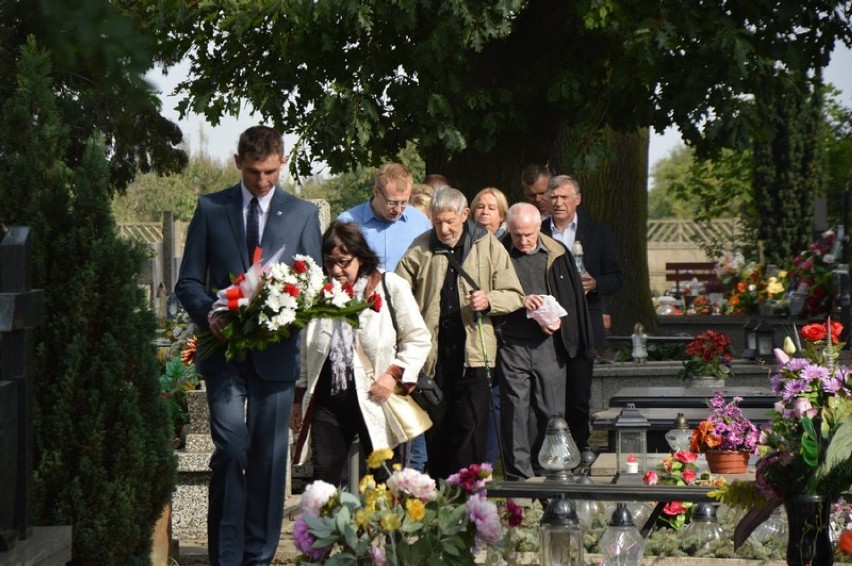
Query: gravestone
[(21, 310)]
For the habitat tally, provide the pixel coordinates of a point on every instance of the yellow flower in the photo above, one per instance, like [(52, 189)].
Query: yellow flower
[(367, 482), (378, 457), (415, 509), (362, 517), (782, 274), (774, 286), (390, 522)]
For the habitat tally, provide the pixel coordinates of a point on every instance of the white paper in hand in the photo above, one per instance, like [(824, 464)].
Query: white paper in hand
[(549, 312)]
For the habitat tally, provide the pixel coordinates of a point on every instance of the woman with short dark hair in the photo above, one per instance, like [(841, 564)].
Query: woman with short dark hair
[(347, 374)]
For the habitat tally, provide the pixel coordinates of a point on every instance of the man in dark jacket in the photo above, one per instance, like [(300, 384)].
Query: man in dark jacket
[(569, 223), (543, 360)]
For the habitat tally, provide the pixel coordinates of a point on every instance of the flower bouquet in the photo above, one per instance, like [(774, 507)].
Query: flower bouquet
[(806, 447), (407, 521), (271, 299), (811, 274), (708, 355)]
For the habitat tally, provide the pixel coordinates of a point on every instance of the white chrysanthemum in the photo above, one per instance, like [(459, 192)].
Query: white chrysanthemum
[(285, 317)]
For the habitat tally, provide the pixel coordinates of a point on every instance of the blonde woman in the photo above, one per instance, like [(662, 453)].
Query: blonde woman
[(489, 208)]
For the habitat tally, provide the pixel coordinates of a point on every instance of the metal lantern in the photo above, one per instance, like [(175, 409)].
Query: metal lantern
[(621, 544), (560, 535), (631, 444), (559, 454), (678, 437), (765, 336), (750, 339)]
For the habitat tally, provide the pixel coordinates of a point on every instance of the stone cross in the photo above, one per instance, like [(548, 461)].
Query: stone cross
[(21, 310)]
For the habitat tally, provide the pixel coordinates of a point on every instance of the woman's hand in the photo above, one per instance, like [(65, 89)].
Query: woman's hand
[(382, 388), (296, 417)]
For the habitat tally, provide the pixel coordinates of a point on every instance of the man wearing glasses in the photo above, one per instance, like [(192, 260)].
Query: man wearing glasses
[(388, 224)]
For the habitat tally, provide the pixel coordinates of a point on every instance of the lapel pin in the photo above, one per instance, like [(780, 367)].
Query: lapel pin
[(278, 213)]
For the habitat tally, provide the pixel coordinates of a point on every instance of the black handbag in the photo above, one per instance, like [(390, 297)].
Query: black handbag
[(427, 394)]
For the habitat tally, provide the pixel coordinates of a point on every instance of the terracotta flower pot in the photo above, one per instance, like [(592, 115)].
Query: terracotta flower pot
[(727, 461)]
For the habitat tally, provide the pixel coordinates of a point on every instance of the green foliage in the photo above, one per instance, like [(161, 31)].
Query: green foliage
[(99, 59), (176, 380), (103, 456), (787, 171), (150, 194)]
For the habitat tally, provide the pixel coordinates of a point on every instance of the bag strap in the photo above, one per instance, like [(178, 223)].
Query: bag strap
[(457, 266), (390, 307)]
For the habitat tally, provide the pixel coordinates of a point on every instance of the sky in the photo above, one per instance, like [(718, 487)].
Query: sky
[(220, 141)]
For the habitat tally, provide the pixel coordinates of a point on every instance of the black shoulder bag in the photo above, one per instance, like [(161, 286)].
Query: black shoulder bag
[(427, 394)]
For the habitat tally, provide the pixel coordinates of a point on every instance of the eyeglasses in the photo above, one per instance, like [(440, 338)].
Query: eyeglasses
[(393, 203), (342, 263)]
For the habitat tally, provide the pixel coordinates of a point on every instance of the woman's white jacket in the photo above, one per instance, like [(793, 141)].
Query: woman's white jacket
[(381, 347)]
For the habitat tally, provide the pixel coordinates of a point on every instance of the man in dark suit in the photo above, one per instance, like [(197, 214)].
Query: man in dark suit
[(250, 400), (602, 277), (570, 223)]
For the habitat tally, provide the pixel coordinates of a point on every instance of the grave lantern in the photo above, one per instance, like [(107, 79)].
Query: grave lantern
[(559, 454), (750, 339), (703, 529), (631, 444), (560, 535), (621, 542), (172, 307), (678, 437), (765, 336)]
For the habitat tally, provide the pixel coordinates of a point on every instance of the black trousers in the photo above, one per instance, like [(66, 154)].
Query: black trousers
[(459, 435), (578, 395)]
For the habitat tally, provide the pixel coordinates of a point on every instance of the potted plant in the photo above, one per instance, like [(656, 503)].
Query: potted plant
[(727, 437), (708, 359), (805, 449)]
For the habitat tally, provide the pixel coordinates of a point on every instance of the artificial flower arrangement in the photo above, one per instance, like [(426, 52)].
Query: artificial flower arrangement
[(408, 520), (812, 271), (807, 445), (701, 305), (680, 468), (267, 302), (745, 288), (709, 354), (725, 429)]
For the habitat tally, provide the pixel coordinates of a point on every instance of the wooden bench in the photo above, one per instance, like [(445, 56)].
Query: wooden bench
[(685, 271)]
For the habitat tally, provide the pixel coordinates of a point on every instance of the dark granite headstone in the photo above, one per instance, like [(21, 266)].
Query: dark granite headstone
[(8, 462), (21, 310)]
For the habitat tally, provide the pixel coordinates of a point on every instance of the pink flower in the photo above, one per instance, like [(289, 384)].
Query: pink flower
[(304, 541), (781, 356), (413, 483), (685, 456), (650, 478), (802, 407), (315, 496), (689, 475), (673, 508), (484, 515), (378, 556), (515, 513)]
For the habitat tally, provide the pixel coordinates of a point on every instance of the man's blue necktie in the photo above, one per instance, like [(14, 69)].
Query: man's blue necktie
[(252, 228)]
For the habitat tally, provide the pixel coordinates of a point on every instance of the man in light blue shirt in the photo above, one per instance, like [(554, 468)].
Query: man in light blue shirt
[(389, 225)]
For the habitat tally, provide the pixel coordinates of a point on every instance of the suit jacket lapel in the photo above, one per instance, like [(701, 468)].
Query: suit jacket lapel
[(236, 222)]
